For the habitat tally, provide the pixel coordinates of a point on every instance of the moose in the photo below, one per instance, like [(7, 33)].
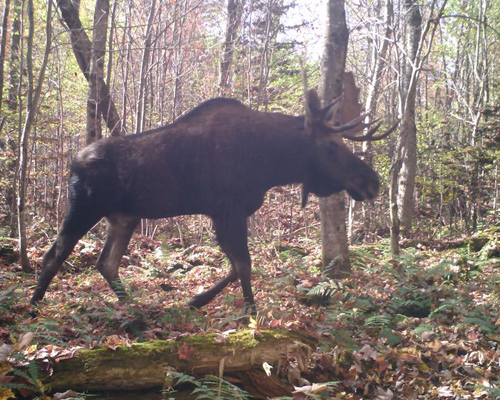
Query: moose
[(219, 159)]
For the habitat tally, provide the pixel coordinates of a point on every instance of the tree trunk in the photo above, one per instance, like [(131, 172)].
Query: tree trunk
[(14, 61), (178, 59), (332, 209), (241, 353), (96, 70), (141, 101), (377, 68), (378, 60), (3, 45), (126, 51), (31, 110), (393, 199), (406, 180), (112, 23), (82, 49), (403, 169), (234, 13)]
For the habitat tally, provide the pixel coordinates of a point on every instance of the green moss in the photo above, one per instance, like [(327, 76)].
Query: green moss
[(138, 352), (107, 368)]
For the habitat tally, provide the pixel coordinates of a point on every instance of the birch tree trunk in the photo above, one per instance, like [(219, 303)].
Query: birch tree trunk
[(96, 71), (404, 163), (378, 62), (332, 209)]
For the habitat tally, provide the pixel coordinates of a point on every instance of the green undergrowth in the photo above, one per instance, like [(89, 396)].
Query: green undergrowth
[(390, 304)]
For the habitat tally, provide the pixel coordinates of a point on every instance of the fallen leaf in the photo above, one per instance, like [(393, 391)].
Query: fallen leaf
[(5, 350), (185, 352), (24, 341), (6, 394), (267, 368), (220, 338), (384, 394), (68, 394)]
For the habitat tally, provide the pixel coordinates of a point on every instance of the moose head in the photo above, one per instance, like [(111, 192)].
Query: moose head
[(333, 166)]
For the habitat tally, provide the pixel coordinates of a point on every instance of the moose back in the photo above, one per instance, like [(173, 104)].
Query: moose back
[(218, 160)]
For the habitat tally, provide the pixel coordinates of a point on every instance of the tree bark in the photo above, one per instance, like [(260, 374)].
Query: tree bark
[(403, 169), (379, 55), (3, 46), (14, 61), (332, 209), (407, 173), (141, 101), (234, 13), (241, 353), (180, 10), (31, 111), (378, 63), (96, 71), (82, 50)]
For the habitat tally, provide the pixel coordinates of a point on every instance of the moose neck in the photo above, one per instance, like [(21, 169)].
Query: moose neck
[(283, 150)]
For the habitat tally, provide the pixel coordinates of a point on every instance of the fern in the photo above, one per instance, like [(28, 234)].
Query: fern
[(493, 392), (378, 321), (210, 387), (31, 377), (215, 388), (324, 289), (446, 307), (484, 324), (323, 292), (331, 265)]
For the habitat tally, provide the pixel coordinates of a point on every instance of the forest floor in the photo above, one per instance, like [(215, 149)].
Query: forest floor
[(423, 326)]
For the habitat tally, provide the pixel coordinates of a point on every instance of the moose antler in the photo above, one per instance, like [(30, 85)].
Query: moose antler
[(356, 126), (369, 135), (351, 111)]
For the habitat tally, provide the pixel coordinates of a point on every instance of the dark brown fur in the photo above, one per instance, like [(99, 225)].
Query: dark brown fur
[(218, 160)]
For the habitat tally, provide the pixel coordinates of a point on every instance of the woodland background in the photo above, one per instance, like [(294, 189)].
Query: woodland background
[(434, 65)]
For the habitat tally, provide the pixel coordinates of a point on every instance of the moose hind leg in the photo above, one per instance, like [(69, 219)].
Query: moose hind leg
[(204, 298), (120, 230), (74, 226), (232, 237)]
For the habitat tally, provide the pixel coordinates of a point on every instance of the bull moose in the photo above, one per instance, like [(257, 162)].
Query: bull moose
[(219, 160)]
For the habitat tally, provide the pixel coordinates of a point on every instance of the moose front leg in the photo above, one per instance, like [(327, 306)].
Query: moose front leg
[(77, 223), (232, 237), (120, 230)]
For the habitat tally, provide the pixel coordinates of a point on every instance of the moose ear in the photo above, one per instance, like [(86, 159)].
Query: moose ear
[(313, 103)]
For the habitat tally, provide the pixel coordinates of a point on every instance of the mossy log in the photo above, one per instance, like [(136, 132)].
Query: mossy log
[(475, 243), (239, 355)]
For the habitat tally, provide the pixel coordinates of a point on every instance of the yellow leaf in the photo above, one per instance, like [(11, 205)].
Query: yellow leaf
[(6, 394), (5, 368), (423, 367), (253, 324)]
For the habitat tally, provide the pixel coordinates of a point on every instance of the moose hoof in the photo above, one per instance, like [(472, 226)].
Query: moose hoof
[(196, 302)]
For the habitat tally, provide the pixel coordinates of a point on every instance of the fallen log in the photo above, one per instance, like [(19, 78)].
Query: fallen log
[(475, 243), (239, 356)]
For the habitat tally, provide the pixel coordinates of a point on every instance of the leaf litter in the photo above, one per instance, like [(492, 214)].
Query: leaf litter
[(375, 341)]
